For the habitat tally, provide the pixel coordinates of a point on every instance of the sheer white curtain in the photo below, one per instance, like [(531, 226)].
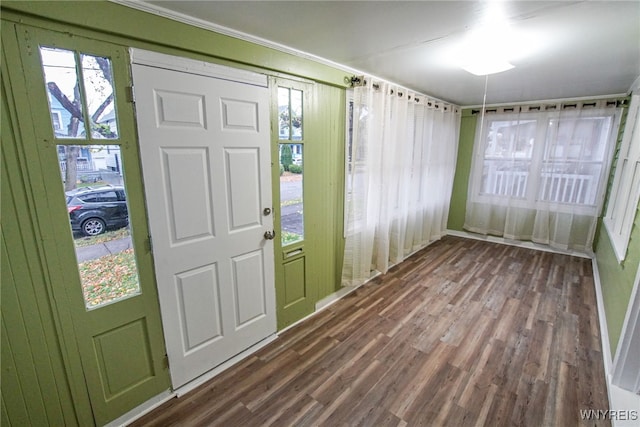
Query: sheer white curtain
[(399, 177), (541, 175)]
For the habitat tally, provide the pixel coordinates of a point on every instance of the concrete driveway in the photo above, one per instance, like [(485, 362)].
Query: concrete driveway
[(87, 253)]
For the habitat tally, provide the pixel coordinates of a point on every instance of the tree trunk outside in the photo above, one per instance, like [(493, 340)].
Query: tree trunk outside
[(71, 173)]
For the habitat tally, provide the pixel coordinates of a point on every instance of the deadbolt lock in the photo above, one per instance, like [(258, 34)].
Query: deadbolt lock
[(266, 211)]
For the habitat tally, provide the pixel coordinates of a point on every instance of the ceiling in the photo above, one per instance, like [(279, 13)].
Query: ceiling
[(572, 49)]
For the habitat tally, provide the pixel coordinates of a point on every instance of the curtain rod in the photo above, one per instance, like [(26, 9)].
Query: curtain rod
[(432, 102), (567, 105)]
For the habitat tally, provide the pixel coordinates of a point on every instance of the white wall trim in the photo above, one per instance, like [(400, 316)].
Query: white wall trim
[(163, 397), (191, 385), (635, 86), (623, 401), (216, 28), (602, 319), (519, 243), (220, 29), (336, 296), (141, 410), (191, 66), (626, 364)]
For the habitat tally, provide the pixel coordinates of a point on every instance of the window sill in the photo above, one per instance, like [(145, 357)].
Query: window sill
[(618, 241)]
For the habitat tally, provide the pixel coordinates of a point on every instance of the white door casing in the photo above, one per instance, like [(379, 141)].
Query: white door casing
[(204, 145)]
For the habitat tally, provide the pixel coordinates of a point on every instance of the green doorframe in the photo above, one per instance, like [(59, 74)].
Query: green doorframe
[(102, 336), (316, 271)]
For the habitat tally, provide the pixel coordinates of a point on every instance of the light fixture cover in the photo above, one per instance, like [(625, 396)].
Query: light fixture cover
[(482, 68)]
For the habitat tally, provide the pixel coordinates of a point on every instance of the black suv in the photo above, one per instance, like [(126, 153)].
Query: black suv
[(93, 210)]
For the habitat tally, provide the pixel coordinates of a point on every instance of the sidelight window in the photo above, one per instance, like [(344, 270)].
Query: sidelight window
[(291, 155), (80, 93)]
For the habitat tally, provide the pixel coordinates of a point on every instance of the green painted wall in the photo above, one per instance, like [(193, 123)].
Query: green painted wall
[(616, 278), (463, 169), (326, 178), (38, 386), (42, 380)]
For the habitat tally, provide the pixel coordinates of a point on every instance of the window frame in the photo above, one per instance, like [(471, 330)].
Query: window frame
[(620, 216), (292, 140), (352, 160), (532, 194)]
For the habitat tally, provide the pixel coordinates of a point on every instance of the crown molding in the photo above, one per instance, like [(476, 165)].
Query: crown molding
[(220, 29)]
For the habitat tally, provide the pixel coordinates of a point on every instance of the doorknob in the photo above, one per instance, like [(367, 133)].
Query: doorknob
[(270, 235)]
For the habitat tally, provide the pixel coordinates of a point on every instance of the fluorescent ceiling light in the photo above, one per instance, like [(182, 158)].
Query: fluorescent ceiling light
[(488, 47), (482, 68)]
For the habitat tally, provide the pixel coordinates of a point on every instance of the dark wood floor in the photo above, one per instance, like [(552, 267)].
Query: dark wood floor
[(464, 333)]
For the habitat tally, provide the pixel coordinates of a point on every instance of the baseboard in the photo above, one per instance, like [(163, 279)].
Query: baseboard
[(158, 400), (181, 391), (141, 410), (624, 404), (602, 319), (336, 296), (518, 243)]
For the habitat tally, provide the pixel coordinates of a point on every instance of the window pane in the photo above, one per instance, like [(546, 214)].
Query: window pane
[(99, 218), (507, 157), (510, 139), (583, 139), (505, 178), (291, 195), (574, 153), (289, 114), (296, 114), (98, 87), (63, 90), (284, 113), (570, 183)]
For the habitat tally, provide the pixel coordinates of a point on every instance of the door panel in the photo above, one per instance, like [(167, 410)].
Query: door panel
[(294, 282), (297, 290), (138, 360), (242, 166), (206, 164), (199, 306), (188, 193), (249, 288)]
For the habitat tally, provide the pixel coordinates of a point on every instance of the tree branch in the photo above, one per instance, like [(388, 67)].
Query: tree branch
[(64, 101), (104, 65), (101, 108)]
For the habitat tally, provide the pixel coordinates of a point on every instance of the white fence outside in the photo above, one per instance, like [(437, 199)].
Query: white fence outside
[(554, 187)]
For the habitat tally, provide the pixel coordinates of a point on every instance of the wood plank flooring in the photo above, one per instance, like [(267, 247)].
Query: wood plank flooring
[(464, 333)]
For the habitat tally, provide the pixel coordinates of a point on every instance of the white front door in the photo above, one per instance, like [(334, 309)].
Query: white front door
[(206, 163)]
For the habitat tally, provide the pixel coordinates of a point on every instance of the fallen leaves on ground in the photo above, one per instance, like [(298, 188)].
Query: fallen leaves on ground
[(109, 278)]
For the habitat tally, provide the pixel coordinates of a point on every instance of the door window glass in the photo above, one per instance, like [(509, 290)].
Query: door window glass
[(99, 220), (290, 114), (291, 200), (80, 90), (290, 135), (98, 88), (82, 107)]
